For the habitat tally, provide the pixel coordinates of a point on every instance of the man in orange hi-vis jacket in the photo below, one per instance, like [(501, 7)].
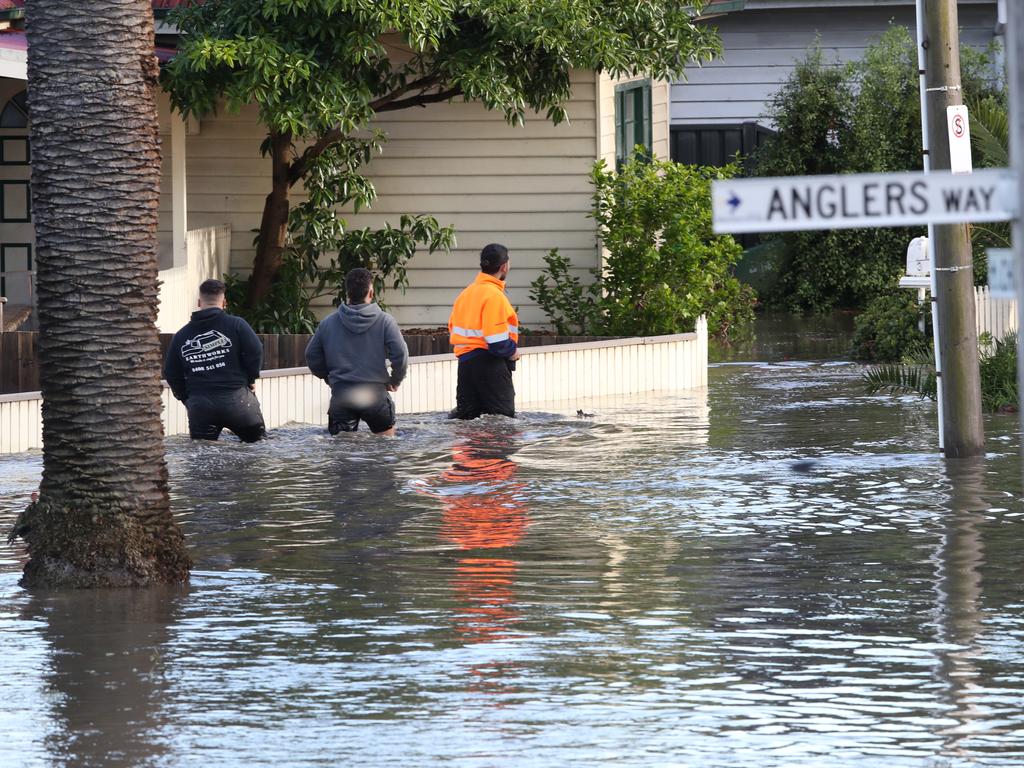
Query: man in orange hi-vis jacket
[(484, 331)]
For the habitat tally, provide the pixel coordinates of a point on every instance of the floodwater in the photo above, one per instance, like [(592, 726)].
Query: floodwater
[(779, 572)]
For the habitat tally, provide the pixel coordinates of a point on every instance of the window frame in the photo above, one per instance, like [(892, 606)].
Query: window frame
[(633, 97)]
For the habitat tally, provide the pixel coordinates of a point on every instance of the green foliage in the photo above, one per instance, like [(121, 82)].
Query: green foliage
[(887, 331), (990, 132), (319, 256), (664, 267), (915, 375), (571, 306), (319, 71), (990, 138), (286, 309), (902, 379), (321, 249), (859, 118), (314, 66), (998, 368)]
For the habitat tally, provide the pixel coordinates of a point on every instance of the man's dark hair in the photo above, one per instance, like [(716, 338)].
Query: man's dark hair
[(211, 289), (492, 257), (357, 285)]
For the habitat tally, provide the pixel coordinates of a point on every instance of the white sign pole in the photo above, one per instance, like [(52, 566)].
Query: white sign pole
[(926, 163)]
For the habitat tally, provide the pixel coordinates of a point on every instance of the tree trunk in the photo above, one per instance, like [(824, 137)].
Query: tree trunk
[(103, 515), (274, 224)]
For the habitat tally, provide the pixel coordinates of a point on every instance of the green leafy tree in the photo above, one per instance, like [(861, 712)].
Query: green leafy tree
[(665, 266), (319, 71), (859, 118)]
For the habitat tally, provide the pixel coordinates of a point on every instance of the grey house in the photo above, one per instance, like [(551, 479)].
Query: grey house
[(721, 108)]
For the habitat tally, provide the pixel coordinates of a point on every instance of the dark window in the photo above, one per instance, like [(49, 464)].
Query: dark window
[(15, 114), (716, 144), (632, 120)]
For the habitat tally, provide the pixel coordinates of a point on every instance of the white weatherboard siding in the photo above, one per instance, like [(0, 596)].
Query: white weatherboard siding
[(208, 251), (526, 187), (761, 48), (571, 374)]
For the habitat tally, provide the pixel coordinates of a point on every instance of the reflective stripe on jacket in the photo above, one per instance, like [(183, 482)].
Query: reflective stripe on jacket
[(483, 318)]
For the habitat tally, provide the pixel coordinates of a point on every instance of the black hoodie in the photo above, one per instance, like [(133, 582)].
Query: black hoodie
[(215, 353)]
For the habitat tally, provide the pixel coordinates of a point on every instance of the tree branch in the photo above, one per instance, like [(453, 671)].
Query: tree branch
[(389, 103), (421, 100)]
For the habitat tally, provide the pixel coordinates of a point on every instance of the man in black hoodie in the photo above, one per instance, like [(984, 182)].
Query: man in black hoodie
[(349, 350), (211, 365)]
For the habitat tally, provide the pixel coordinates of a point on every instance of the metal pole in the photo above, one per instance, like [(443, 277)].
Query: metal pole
[(927, 166), (954, 276), (1015, 72)]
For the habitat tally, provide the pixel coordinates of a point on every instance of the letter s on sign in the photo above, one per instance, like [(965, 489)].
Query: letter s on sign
[(919, 204)]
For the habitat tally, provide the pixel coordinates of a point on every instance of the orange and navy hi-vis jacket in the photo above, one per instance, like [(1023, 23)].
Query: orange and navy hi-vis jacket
[(483, 319)]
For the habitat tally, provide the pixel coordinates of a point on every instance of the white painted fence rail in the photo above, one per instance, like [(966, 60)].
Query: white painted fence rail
[(995, 316), (573, 374)]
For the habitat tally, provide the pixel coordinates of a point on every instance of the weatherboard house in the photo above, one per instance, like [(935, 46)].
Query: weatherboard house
[(444, 160), (722, 107)]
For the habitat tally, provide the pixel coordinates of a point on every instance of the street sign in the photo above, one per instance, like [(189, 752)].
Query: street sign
[(959, 129), (855, 201), (1002, 283)]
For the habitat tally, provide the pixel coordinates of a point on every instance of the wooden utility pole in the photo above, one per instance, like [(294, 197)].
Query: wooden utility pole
[(961, 382)]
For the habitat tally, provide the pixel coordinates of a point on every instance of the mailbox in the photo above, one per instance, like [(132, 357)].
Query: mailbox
[(918, 265)]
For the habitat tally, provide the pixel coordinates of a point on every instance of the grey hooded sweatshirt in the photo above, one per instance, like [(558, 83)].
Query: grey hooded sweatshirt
[(350, 347)]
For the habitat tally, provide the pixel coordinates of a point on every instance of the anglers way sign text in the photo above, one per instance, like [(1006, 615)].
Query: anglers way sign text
[(855, 201)]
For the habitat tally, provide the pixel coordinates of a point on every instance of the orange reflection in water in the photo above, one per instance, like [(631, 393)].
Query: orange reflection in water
[(487, 514)]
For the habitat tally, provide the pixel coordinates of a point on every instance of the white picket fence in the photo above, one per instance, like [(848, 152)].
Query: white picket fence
[(995, 316), (571, 374)]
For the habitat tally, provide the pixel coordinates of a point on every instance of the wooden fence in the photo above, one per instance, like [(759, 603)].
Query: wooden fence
[(19, 371)]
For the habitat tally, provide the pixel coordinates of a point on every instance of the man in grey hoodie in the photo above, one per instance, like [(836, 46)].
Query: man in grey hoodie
[(349, 350)]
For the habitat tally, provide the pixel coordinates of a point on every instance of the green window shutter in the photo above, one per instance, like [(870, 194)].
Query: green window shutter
[(633, 124), (648, 138), (621, 142)]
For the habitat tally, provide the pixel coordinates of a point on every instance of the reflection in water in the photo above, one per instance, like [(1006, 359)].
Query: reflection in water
[(959, 606), (484, 510), (106, 672), (656, 585)]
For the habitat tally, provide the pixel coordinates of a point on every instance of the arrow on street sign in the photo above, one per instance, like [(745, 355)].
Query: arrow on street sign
[(862, 200)]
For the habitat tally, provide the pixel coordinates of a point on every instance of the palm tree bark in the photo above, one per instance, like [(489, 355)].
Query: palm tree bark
[(103, 515)]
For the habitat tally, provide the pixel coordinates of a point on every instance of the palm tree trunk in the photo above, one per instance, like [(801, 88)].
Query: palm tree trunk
[(103, 516)]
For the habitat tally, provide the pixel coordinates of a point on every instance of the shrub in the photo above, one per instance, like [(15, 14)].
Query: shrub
[(887, 331), (664, 266), (998, 366), (321, 249), (859, 118)]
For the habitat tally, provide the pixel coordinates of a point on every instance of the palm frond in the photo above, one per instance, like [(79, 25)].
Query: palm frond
[(901, 379), (990, 131)]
